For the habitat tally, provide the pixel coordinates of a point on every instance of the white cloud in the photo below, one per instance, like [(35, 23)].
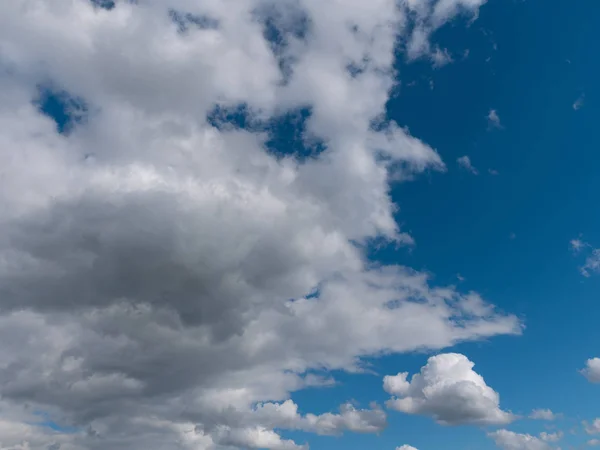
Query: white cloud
[(430, 16), (592, 428), (577, 245), (543, 414), (465, 163), (155, 269), (551, 437), (578, 104), (592, 260), (406, 447), (441, 57), (593, 442), (448, 390), (509, 440), (494, 119)]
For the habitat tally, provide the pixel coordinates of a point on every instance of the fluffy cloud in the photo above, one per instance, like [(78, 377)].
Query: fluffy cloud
[(449, 390), (156, 258), (592, 370), (551, 437), (592, 428), (509, 440), (465, 163), (406, 447), (543, 414)]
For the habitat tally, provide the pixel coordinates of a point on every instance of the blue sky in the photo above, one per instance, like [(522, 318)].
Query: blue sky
[(217, 236)]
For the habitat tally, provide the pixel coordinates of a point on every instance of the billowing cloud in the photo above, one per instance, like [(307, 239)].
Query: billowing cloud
[(448, 390), (592, 370), (170, 272), (509, 440), (406, 447)]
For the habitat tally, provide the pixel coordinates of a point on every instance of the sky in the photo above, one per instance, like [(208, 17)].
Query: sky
[(299, 224)]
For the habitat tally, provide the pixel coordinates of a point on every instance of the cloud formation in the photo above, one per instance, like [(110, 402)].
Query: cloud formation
[(169, 274), (448, 390), (493, 119), (509, 440), (465, 163), (543, 414), (592, 428)]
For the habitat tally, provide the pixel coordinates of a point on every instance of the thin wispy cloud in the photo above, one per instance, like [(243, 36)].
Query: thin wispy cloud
[(465, 163), (578, 104)]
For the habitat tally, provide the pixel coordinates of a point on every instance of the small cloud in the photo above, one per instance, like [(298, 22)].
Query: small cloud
[(592, 428), (493, 119), (543, 414), (593, 442), (492, 171), (577, 245), (466, 53), (406, 447), (512, 236), (578, 104), (551, 437), (431, 85), (441, 57), (592, 373), (460, 278), (465, 163)]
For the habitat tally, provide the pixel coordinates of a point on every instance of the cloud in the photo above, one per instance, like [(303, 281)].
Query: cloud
[(593, 442), (493, 172), (551, 437), (493, 119), (441, 57), (465, 163), (592, 428), (509, 440), (165, 268), (592, 260), (428, 17), (406, 447), (448, 390), (577, 245), (543, 414), (578, 104)]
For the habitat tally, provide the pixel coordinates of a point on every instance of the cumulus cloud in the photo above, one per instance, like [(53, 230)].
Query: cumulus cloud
[(449, 390), (170, 274), (543, 414), (551, 437), (592, 428), (509, 440), (406, 447), (465, 163)]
